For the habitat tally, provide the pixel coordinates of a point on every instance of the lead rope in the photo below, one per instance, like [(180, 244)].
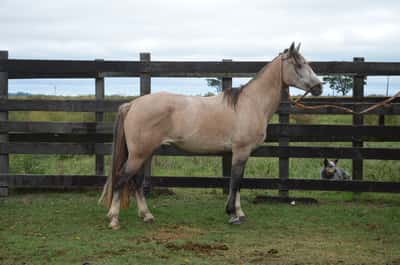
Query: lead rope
[(296, 103)]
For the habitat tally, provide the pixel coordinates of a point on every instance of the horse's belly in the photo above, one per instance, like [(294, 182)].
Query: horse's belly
[(199, 145)]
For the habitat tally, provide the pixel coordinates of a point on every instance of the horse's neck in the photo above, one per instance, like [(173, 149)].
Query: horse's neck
[(265, 91)]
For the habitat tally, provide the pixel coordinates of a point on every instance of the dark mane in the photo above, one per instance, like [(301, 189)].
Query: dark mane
[(231, 95)]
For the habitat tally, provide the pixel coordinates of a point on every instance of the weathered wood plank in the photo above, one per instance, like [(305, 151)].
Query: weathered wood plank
[(61, 105), (145, 89), (57, 127), (18, 68), (226, 158), (358, 93), (99, 89), (4, 158), (102, 132), (284, 142), (263, 151), (112, 106), (55, 148), (80, 181), (275, 183)]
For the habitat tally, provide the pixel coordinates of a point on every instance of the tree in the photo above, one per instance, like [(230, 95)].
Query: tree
[(339, 83), (215, 83)]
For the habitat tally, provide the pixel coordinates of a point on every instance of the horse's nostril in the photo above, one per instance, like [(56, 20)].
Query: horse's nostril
[(316, 90)]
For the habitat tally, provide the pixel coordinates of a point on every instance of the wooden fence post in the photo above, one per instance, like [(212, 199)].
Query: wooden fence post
[(99, 83), (4, 159), (283, 142), (145, 88), (226, 158), (381, 120), (358, 94)]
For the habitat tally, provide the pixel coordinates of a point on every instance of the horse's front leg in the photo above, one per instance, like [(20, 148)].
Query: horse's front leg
[(233, 209), (238, 208)]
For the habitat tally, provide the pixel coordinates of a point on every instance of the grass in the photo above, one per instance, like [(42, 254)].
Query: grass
[(374, 170), (191, 228)]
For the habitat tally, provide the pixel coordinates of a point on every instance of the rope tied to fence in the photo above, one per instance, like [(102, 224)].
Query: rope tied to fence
[(384, 103)]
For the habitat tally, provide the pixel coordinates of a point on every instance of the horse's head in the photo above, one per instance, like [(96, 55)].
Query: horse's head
[(297, 72)]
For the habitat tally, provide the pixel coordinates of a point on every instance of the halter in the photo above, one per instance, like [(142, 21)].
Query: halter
[(296, 103)]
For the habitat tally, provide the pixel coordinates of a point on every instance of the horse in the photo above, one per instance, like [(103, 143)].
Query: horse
[(232, 121)]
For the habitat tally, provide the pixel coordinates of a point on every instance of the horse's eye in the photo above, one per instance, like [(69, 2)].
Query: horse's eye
[(298, 66)]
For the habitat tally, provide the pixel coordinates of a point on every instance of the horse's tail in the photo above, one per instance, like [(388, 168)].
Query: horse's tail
[(119, 157)]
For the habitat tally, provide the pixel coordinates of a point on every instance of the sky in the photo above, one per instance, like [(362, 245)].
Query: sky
[(194, 30)]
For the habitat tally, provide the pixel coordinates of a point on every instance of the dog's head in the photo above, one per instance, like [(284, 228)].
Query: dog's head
[(330, 166)]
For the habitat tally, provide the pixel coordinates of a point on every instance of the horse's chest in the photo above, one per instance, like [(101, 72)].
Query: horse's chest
[(254, 133)]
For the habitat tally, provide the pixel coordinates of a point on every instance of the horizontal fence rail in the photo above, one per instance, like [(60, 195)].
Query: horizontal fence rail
[(112, 106), (18, 68), (20, 131), (94, 138), (79, 182), (263, 151)]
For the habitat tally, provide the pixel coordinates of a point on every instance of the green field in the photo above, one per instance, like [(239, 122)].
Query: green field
[(191, 226)]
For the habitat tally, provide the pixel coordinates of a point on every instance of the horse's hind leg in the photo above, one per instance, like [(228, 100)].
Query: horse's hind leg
[(134, 163), (127, 174), (143, 210), (123, 178), (113, 213)]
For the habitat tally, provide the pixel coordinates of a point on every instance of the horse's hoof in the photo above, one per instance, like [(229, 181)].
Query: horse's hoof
[(115, 227), (242, 218), (114, 224), (234, 220), (148, 219)]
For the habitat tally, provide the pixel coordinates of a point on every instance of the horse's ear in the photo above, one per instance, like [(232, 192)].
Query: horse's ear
[(291, 48), (298, 47), (336, 161), (325, 162)]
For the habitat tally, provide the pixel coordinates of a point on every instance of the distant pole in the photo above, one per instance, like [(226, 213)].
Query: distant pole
[(381, 117), (4, 159), (387, 86)]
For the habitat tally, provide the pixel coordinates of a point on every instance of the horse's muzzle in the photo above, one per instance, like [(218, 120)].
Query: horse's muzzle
[(316, 90)]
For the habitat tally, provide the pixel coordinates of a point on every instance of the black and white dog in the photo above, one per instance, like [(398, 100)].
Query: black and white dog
[(330, 171)]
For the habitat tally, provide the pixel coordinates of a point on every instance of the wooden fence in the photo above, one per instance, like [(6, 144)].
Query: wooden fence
[(94, 138)]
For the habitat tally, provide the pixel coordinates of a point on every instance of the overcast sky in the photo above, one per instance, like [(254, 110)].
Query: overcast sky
[(204, 30), (199, 30)]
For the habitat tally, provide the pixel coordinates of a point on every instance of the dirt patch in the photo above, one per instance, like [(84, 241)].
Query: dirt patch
[(372, 226), (171, 233), (168, 234), (197, 247), (259, 256), (396, 261), (60, 252), (26, 200)]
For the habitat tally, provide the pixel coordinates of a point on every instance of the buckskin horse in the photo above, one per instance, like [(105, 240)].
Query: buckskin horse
[(234, 120)]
